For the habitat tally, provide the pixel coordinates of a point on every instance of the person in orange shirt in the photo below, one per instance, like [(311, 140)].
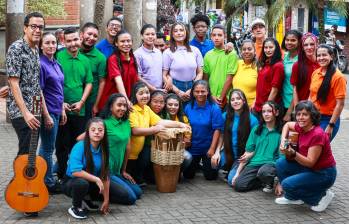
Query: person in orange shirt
[(328, 90), (259, 33)]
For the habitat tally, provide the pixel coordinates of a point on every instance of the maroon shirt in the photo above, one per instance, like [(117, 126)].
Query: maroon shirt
[(316, 136), (269, 76), (304, 90)]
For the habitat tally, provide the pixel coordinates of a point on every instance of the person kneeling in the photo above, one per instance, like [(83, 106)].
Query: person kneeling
[(87, 175), (306, 174), (257, 164)]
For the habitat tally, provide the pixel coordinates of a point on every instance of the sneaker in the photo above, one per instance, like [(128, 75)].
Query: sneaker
[(31, 214), (324, 202), (285, 201), (77, 213), (89, 205), (268, 189)]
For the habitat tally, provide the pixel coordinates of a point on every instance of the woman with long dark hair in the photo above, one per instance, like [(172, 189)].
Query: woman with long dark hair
[(182, 63), (328, 90), (88, 171), (271, 74), (122, 70)]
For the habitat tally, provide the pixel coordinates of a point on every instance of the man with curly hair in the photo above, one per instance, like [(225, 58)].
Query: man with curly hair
[(201, 23)]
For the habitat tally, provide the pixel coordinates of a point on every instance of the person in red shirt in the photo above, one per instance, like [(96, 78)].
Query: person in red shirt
[(304, 68), (270, 74), (122, 72), (306, 174)]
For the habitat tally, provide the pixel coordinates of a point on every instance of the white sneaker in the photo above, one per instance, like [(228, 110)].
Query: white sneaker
[(285, 201), (267, 189), (324, 202)]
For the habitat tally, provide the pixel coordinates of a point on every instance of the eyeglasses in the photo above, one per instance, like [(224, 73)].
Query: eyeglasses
[(34, 27), (114, 25)]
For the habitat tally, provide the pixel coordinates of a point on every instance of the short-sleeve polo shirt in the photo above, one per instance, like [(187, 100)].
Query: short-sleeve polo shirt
[(204, 46), (77, 73), (119, 134), (98, 64), (141, 118)]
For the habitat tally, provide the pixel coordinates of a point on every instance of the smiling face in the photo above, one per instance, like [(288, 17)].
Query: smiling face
[(124, 42), (291, 42), (157, 103), (143, 96), (119, 107), (89, 37), (200, 93), (96, 132), (258, 31), (149, 36), (323, 57), (172, 106), (303, 118), (49, 45), (268, 113), (309, 47), (236, 102), (269, 49), (113, 28), (72, 42), (248, 52), (34, 30), (179, 33)]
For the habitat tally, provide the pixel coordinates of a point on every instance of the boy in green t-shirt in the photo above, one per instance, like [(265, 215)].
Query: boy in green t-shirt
[(219, 66)]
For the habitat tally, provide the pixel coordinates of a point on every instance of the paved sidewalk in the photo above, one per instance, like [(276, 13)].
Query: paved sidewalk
[(196, 201)]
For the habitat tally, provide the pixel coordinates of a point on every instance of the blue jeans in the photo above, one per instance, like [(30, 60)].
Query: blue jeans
[(134, 192), (302, 183), (47, 147), (183, 86), (232, 172), (325, 119)]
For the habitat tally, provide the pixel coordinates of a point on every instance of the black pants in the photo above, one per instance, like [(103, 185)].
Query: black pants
[(209, 172), (79, 188), (255, 177), (66, 139), (23, 134), (137, 167)]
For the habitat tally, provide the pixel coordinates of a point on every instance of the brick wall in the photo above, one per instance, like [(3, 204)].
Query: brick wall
[(72, 17)]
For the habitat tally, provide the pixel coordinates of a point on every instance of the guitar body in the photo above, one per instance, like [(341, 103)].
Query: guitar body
[(27, 191)]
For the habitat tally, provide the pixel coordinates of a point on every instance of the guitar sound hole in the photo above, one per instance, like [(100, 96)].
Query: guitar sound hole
[(30, 172)]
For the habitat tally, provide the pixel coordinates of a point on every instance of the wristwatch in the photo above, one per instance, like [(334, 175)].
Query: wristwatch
[(331, 124)]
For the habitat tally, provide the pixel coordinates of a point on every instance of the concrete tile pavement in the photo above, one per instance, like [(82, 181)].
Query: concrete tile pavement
[(196, 201)]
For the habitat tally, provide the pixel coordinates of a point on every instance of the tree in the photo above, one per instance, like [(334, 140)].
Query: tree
[(133, 20), (166, 14)]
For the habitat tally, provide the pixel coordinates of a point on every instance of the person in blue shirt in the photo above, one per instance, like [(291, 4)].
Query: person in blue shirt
[(238, 124), (206, 121), (87, 175), (106, 46), (201, 23)]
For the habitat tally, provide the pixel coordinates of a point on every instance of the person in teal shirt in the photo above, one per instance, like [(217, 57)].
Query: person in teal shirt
[(115, 114), (257, 164), (219, 67), (291, 43)]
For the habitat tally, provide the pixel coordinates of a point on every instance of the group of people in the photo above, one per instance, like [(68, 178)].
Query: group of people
[(102, 103)]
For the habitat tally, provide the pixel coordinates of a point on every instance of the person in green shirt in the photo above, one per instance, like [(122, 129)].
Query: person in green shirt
[(77, 87), (89, 36), (257, 164), (219, 66), (115, 114)]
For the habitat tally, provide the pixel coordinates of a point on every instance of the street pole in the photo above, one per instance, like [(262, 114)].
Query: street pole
[(133, 20), (14, 25), (149, 12)]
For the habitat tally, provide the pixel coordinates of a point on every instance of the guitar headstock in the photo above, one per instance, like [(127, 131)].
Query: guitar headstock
[(37, 105)]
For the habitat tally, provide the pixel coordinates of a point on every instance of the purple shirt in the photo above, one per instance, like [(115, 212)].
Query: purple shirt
[(150, 65), (51, 82), (181, 63)]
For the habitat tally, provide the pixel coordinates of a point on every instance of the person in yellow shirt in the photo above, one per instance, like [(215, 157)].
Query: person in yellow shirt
[(144, 122), (245, 78)]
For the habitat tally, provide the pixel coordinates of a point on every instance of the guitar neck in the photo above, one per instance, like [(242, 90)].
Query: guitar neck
[(34, 140)]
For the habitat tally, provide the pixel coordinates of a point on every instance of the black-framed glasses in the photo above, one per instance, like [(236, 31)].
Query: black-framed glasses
[(114, 25), (35, 27)]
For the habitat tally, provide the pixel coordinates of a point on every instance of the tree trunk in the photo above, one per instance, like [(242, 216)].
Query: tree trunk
[(133, 20), (149, 12), (99, 13), (86, 11), (14, 24), (320, 19)]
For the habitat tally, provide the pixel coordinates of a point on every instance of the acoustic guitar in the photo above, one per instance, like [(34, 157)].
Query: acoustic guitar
[(27, 191)]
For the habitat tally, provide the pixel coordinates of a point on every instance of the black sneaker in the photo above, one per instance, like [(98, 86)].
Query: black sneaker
[(55, 189), (31, 214), (77, 213), (89, 205)]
